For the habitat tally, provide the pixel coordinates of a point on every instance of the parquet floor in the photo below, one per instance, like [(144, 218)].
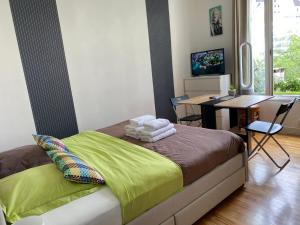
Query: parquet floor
[(270, 197)]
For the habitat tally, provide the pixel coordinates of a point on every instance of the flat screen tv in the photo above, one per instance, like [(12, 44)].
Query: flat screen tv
[(208, 62)]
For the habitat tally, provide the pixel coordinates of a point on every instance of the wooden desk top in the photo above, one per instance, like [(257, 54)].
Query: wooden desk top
[(197, 100), (243, 101)]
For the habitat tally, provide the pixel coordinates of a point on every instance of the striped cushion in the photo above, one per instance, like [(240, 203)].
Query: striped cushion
[(49, 142), (74, 169)]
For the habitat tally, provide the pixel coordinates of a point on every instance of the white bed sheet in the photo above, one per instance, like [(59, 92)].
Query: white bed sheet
[(99, 208)]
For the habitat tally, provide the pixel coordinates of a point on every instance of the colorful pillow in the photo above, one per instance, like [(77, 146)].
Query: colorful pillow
[(74, 169), (49, 142)]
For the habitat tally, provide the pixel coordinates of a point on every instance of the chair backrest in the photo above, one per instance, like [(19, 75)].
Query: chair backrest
[(175, 100), (284, 108)]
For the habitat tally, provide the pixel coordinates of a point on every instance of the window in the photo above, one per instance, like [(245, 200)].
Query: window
[(275, 37), (257, 38)]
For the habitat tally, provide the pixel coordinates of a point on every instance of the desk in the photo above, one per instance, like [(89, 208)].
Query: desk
[(197, 100), (209, 108), (244, 102)]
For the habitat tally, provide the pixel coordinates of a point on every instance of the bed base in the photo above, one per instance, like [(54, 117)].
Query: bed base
[(2, 220), (186, 207)]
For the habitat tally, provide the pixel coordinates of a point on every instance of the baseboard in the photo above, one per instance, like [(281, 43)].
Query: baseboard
[(291, 131)]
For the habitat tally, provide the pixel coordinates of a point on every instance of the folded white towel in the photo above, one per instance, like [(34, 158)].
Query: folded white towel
[(139, 121), (157, 124), (133, 132), (144, 132), (158, 137), (133, 135), (131, 128)]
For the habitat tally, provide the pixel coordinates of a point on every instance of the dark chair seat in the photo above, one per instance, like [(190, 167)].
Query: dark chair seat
[(191, 118), (263, 127)]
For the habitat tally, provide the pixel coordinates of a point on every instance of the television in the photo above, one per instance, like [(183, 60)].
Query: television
[(208, 62)]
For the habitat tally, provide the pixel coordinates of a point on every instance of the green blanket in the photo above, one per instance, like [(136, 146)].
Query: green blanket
[(38, 190), (138, 177)]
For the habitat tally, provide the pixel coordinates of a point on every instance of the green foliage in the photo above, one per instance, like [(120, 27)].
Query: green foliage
[(287, 93), (290, 60), (232, 87), (259, 76), (292, 84)]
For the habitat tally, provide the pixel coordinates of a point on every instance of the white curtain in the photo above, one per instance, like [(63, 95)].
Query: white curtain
[(241, 34)]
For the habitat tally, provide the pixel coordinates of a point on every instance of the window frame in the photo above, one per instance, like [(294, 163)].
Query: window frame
[(269, 50), (269, 47)]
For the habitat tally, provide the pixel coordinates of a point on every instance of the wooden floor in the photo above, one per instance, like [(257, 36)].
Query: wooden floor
[(269, 198)]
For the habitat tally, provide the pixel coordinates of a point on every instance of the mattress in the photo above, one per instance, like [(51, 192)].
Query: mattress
[(99, 208), (103, 208), (196, 150)]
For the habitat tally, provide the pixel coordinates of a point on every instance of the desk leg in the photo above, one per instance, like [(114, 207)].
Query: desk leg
[(233, 116), (248, 133), (208, 113)]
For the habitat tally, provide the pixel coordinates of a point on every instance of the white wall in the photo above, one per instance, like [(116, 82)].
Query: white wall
[(200, 32), (190, 32), (16, 120), (180, 41), (108, 57)]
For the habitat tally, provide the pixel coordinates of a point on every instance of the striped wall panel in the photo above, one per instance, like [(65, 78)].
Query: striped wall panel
[(42, 53), (161, 56)]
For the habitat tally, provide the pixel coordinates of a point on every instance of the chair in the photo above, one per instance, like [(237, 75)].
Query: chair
[(189, 118), (270, 129)]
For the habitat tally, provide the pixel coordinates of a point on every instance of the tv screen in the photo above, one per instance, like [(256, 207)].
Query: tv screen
[(208, 62)]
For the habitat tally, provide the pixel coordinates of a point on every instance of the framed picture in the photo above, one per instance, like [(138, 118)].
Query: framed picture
[(215, 19)]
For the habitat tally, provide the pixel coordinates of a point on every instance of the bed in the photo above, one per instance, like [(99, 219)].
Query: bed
[(213, 165)]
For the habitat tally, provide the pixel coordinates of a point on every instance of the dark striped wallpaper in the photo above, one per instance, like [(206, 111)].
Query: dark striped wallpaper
[(161, 56), (42, 53)]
